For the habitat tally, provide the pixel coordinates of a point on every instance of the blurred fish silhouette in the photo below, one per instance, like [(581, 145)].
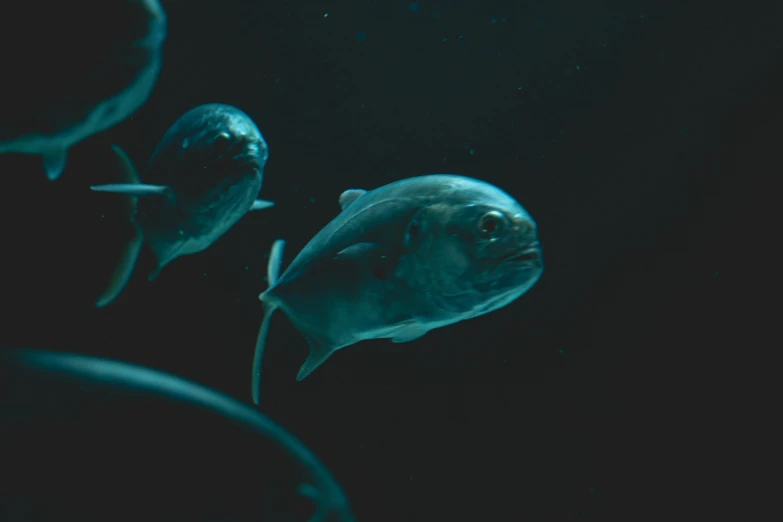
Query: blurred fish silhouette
[(76, 69), (210, 167), (401, 260), (92, 440)]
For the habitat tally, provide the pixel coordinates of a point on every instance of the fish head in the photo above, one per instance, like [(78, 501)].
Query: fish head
[(209, 149), (476, 250)]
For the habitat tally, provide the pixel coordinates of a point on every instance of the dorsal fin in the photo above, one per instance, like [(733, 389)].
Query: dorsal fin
[(349, 196)]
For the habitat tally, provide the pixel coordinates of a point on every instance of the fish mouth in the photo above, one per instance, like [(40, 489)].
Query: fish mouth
[(524, 255)]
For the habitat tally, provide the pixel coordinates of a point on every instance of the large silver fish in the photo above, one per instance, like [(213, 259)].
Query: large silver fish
[(207, 170), (76, 69), (402, 260), (90, 439)]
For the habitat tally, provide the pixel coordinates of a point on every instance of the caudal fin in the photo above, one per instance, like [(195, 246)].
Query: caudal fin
[(130, 253), (272, 275)]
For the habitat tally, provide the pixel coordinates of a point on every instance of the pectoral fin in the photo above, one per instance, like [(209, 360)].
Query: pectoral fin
[(131, 190), (261, 204), (372, 256), (409, 333), (319, 352)]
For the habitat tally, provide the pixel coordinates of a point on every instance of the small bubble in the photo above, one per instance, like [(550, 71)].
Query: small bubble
[(361, 36)]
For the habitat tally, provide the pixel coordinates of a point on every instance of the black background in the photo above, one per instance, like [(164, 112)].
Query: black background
[(642, 136)]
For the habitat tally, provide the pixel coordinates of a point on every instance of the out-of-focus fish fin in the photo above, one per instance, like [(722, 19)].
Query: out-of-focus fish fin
[(261, 204), (123, 270), (409, 333), (126, 173), (319, 352), (349, 196), (272, 275), (54, 162)]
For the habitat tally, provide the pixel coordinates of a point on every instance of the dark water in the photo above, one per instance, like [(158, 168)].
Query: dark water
[(642, 136)]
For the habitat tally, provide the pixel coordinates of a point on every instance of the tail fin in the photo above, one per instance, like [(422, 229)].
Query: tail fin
[(130, 253), (272, 275)]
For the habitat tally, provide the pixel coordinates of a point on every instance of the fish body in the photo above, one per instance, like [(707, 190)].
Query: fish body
[(204, 175), (401, 260), (91, 439), (94, 75)]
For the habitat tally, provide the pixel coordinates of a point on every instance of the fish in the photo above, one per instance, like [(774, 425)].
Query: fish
[(401, 260), (86, 78), (92, 439), (208, 170)]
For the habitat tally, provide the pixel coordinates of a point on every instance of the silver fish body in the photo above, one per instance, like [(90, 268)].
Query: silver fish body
[(204, 175), (401, 260), (87, 78)]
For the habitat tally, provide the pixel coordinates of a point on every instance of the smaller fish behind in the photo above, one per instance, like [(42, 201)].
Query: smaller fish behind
[(207, 172), (401, 260)]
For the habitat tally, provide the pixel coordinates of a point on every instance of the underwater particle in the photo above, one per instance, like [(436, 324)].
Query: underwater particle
[(561, 351), (504, 20), (562, 132), (494, 20), (326, 15), (413, 7), (472, 152), (578, 67), (606, 44), (361, 36), (684, 132)]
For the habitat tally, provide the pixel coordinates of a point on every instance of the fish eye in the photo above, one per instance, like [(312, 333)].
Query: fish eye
[(491, 223), (222, 143)]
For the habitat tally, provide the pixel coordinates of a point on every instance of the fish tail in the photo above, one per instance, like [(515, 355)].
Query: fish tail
[(272, 275), (130, 252)]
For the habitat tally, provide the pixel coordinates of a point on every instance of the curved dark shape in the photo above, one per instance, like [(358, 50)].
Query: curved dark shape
[(83, 438)]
